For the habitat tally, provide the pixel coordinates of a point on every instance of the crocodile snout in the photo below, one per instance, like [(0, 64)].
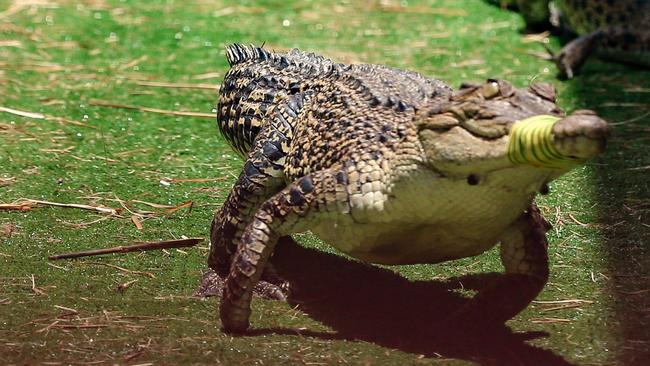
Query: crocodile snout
[(582, 135), (553, 142)]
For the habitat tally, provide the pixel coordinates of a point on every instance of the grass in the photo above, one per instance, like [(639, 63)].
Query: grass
[(59, 58)]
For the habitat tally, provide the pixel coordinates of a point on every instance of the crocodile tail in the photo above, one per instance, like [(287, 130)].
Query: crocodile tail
[(238, 53)]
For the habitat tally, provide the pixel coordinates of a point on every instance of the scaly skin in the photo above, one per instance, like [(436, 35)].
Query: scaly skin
[(387, 166), (617, 30)]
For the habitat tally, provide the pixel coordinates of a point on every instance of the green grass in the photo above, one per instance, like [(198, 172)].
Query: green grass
[(57, 59)]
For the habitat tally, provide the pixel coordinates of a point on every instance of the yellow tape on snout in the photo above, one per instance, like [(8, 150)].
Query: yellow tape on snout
[(531, 143)]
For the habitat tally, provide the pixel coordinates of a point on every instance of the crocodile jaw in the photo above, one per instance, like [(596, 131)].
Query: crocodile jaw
[(438, 214), (540, 141)]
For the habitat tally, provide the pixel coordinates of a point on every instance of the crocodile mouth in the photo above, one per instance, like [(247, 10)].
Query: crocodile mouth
[(554, 142)]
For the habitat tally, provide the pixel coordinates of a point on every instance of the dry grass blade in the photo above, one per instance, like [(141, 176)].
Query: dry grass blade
[(11, 43), (101, 103), (7, 229), (647, 167), (549, 320), (123, 286), (636, 89), (208, 75), (166, 210), (18, 6), (139, 247), (22, 113), (125, 154), (569, 301), (554, 305), (137, 222), (74, 320), (193, 180), (63, 45), (125, 270), (57, 267), (100, 209), (35, 289), (151, 204), (160, 84), (237, 9), (79, 326), (36, 115), (83, 225), (538, 37), (577, 221), (69, 310), (639, 292), (133, 355), (565, 305), (187, 204), (21, 206), (63, 121), (47, 328), (134, 62), (7, 181), (58, 151), (634, 119)]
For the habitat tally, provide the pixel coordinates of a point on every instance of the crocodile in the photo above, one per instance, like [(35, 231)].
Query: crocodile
[(387, 166), (616, 30)]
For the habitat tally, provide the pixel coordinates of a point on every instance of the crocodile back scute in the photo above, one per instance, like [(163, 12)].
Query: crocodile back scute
[(393, 86), (257, 81)]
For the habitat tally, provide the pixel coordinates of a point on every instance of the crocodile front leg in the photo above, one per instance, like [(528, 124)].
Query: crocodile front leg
[(525, 258), (254, 185), (261, 177), (282, 214)]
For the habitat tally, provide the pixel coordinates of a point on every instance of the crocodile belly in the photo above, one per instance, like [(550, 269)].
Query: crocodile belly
[(401, 243), (432, 220)]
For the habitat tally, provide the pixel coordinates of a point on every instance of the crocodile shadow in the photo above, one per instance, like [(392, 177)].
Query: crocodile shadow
[(373, 304)]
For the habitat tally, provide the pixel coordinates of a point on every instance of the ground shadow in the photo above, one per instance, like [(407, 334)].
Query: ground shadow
[(373, 304), (620, 95)]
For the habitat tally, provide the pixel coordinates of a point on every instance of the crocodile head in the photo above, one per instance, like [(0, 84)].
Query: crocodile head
[(484, 128)]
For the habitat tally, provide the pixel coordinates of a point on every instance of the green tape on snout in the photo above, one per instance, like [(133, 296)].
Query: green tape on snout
[(531, 143)]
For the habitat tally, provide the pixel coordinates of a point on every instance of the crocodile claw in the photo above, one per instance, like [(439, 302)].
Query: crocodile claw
[(212, 284)]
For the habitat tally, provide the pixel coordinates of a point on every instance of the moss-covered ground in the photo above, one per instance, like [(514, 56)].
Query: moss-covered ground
[(61, 60)]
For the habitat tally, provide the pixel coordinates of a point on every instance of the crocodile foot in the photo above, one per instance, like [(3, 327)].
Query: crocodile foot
[(271, 287), (575, 53)]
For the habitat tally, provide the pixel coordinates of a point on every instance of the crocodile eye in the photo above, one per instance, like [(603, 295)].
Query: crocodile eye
[(472, 179), (490, 89)]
